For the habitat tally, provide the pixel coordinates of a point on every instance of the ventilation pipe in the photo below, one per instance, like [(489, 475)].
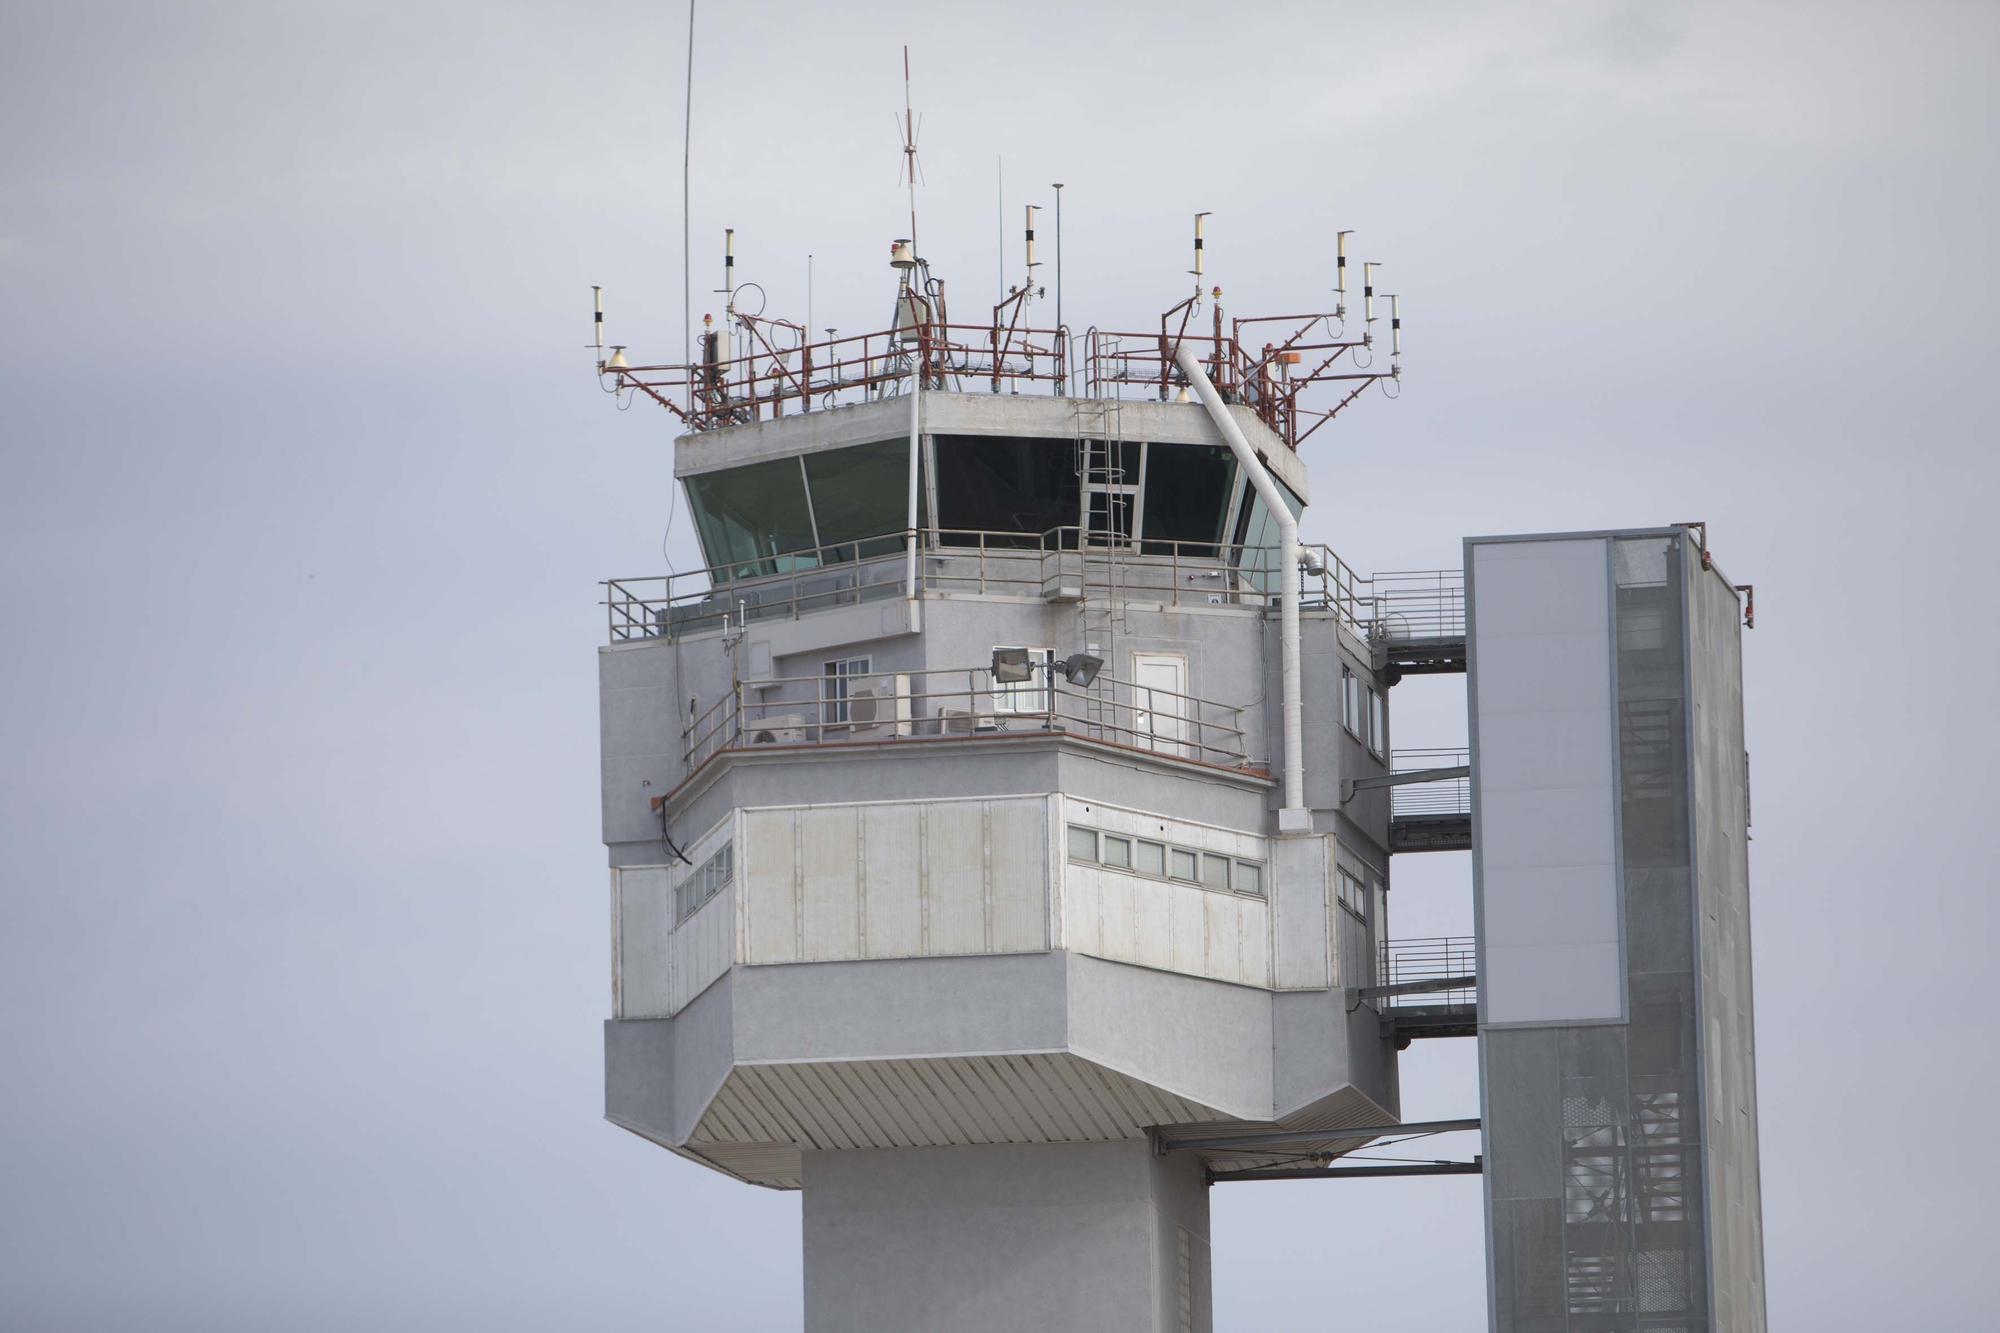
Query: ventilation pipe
[(1294, 817), (916, 452)]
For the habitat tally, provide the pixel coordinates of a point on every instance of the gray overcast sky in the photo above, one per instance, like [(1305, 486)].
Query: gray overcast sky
[(303, 936)]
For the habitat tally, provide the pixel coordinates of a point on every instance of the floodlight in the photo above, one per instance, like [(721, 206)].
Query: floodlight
[(1012, 665), (1080, 669)]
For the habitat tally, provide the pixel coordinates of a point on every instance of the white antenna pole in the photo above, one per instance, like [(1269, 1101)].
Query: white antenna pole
[(687, 144), (999, 229), (910, 151), (1340, 270)]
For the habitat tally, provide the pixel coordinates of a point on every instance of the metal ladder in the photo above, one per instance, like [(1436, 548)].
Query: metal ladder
[(1104, 540)]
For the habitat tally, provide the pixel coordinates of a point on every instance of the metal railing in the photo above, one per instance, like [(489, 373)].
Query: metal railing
[(1063, 562), (1417, 606), (761, 367), (1452, 796), (964, 701), (775, 369), (1438, 958)]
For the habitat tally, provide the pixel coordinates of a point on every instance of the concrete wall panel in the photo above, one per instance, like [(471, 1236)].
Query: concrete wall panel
[(1018, 874), (768, 876), (893, 915), (830, 882)]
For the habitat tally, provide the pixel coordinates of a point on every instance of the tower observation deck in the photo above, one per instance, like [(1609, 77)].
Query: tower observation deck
[(1000, 824)]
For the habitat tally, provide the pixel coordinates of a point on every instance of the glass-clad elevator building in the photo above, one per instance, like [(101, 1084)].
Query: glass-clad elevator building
[(1611, 815)]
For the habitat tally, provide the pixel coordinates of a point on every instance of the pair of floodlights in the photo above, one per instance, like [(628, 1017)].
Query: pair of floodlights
[(1011, 666)]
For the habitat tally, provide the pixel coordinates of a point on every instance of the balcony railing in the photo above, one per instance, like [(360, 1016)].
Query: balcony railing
[(1420, 963), (1451, 796), (965, 702), (1417, 606), (1061, 563)]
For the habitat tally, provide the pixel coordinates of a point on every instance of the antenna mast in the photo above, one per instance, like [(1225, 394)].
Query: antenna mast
[(910, 151)]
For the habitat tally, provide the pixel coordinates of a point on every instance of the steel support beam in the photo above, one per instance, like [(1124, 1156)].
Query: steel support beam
[(1471, 1168), (1285, 1137), (1429, 987), (1351, 785)]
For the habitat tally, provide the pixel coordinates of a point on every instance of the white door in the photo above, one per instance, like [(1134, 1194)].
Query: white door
[(1159, 712)]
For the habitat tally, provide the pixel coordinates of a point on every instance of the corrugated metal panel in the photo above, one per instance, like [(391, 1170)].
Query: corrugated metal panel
[(764, 1114), (1083, 907), (1254, 942), (770, 891), (893, 912), (1018, 875), (1152, 922), (955, 871), (645, 922), (830, 883), (703, 948)]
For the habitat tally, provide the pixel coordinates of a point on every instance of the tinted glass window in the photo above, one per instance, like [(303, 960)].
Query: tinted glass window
[(1257, 537), (1187, 497), (753, 519), (860, 493), (1007, 484)]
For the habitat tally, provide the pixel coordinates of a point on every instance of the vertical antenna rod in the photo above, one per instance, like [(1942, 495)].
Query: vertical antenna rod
[(1033, 263), (910, 151), (1059, 322), (687, 142), (1340, 271)]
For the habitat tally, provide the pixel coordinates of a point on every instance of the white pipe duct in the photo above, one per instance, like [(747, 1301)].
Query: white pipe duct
[(916, 439), (1294, 817)]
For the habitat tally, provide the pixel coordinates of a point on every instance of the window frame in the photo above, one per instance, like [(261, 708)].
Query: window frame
[(1236, 872), (835, 689), (1005, 696), (704, 882), (1350, 890)]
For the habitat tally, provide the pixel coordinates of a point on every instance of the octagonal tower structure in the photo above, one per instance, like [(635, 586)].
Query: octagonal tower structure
[(966, 957)]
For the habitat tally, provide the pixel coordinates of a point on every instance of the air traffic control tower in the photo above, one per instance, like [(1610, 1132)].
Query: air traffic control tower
[(1001, 829)]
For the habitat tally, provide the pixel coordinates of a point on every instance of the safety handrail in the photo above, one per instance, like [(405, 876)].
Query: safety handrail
[(948, 701), (1394, 607), (1447, 796), (1436, 958)]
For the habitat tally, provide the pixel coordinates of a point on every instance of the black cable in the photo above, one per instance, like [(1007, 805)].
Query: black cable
[(666, 838)]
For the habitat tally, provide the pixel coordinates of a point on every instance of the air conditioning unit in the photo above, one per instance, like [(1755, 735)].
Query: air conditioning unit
[(879, 707), (964, 721), (779, 729)]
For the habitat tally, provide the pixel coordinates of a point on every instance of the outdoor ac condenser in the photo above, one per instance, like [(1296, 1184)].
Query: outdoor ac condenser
[(779, 729), (880, 707)]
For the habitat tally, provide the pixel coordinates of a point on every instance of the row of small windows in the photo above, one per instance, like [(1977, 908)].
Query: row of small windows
[(1353, 894), (1158, 860), (706, 880), (1365, 713)]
